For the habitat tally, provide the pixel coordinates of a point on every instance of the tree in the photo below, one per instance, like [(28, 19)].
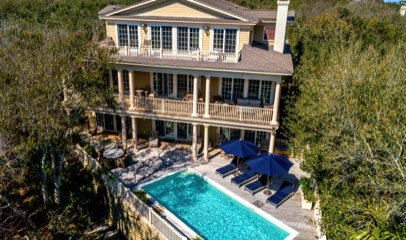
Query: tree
[(47, 81)]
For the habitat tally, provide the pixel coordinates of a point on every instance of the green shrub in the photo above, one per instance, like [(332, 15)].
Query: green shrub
[(141, 194), (307, 189), (90, 150)]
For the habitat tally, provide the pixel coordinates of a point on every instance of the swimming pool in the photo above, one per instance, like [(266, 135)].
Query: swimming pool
[(210, 212)]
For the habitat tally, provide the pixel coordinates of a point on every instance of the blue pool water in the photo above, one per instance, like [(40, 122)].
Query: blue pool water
[(210, 212)]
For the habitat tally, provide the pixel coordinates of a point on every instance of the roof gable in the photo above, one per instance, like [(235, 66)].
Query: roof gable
[(175, 8)]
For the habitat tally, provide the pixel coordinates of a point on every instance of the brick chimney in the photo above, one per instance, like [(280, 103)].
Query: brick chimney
[(280, 29)]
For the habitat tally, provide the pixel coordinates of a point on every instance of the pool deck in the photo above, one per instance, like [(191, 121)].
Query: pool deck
[(150, 164)]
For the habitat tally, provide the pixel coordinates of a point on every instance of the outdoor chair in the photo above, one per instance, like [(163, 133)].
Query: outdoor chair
[(228, 169), (282, 195), (245, 177), (258, 185)]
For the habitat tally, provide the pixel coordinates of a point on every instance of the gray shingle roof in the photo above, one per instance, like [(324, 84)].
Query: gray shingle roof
[(253, 16), (253, 59)]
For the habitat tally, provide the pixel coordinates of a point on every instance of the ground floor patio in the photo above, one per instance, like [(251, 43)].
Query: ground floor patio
[(151, 163)]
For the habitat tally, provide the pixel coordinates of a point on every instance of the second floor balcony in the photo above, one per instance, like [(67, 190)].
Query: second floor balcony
[(191, 55)]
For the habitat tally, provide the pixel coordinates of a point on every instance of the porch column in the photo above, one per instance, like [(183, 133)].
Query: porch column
[(123, 132), (194, 142), (206, 142), (111, 84), (120, 88), (276, 103), (134, 132), (195, 95), (246, 83), (207, 100), (131, 85), (272, 141), (175, 85)]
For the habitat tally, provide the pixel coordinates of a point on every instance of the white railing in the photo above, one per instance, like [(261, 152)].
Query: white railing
[(223, 112), (197, 55)]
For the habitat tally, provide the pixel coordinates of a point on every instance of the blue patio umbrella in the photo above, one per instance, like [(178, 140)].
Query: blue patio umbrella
[(269, 164), (239, 148)]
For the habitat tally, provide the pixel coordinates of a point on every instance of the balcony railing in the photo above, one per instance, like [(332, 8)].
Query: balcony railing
[(181, 108), (197, 55)]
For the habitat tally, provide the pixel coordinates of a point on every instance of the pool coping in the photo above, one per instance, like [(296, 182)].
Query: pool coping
[(292, 232)]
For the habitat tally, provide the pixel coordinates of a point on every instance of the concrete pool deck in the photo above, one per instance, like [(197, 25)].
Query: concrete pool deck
[(151, 163)]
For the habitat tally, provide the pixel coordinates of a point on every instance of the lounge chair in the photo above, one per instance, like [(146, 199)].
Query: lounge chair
[(244, 178), (282, 195), (258, 185), (228, 169)]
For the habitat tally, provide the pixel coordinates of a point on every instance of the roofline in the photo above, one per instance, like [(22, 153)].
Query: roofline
[(205, 69), (178, 21), (192, 1)]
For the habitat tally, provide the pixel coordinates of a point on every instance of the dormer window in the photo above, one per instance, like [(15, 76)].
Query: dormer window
[(161, 37), (127, 35), (188, 38), (225, 40), (269, 33)]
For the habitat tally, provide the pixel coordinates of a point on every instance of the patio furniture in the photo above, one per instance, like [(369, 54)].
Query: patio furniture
[(113, 153), (249, 102), (140, 92), (282, 195), (245, 177), (239, 148), (228, 169), (258, 185)]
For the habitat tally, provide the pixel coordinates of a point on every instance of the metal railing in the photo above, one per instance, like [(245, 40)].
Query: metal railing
[(196, 55)]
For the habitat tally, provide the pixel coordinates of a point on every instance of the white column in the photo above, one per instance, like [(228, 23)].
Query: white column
[(246, 82), (272, 141), (131, 85), (207, 100), (273, 92), (120, 88), (276, 103), (195, 95), (206, 143), (134, 132), (175, 85), (280, 28), (194, 142), (123, 132)]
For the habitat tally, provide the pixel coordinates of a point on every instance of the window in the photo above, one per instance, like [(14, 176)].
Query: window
[(108, 122), (126, 81), (165, 129), (188, 38), (163, 84), (266, 92), (261, 90), (232, 89), (269, 33), (100, 120), (225, 40), (160, 128), (184, 131), (258, 138), (127, 35), (253, 89), (161, 37), (115, 81), (229, 134), (185, 84)]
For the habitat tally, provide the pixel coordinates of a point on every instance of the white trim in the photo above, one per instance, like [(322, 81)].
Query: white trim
[(237, 37), (177, 21), (130, 7), (191, 1), (128, 33)]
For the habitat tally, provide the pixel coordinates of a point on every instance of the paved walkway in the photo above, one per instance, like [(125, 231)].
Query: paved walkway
[(150, 164)]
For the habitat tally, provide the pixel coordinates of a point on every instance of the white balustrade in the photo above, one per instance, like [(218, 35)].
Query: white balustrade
[(197, 55), (223, 112)]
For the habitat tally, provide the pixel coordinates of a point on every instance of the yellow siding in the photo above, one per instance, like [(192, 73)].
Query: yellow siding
[(175, 9), (214, 86), (244, 37), (144, 127), (205, 41), (111, 30), (142, 80)]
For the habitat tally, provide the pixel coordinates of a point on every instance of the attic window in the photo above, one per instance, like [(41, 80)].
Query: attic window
[(269, 33)]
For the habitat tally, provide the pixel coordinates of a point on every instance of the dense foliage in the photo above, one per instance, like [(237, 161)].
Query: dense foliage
[(348, 116)]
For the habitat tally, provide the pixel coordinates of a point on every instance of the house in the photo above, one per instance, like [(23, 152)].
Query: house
[(196, 71)]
